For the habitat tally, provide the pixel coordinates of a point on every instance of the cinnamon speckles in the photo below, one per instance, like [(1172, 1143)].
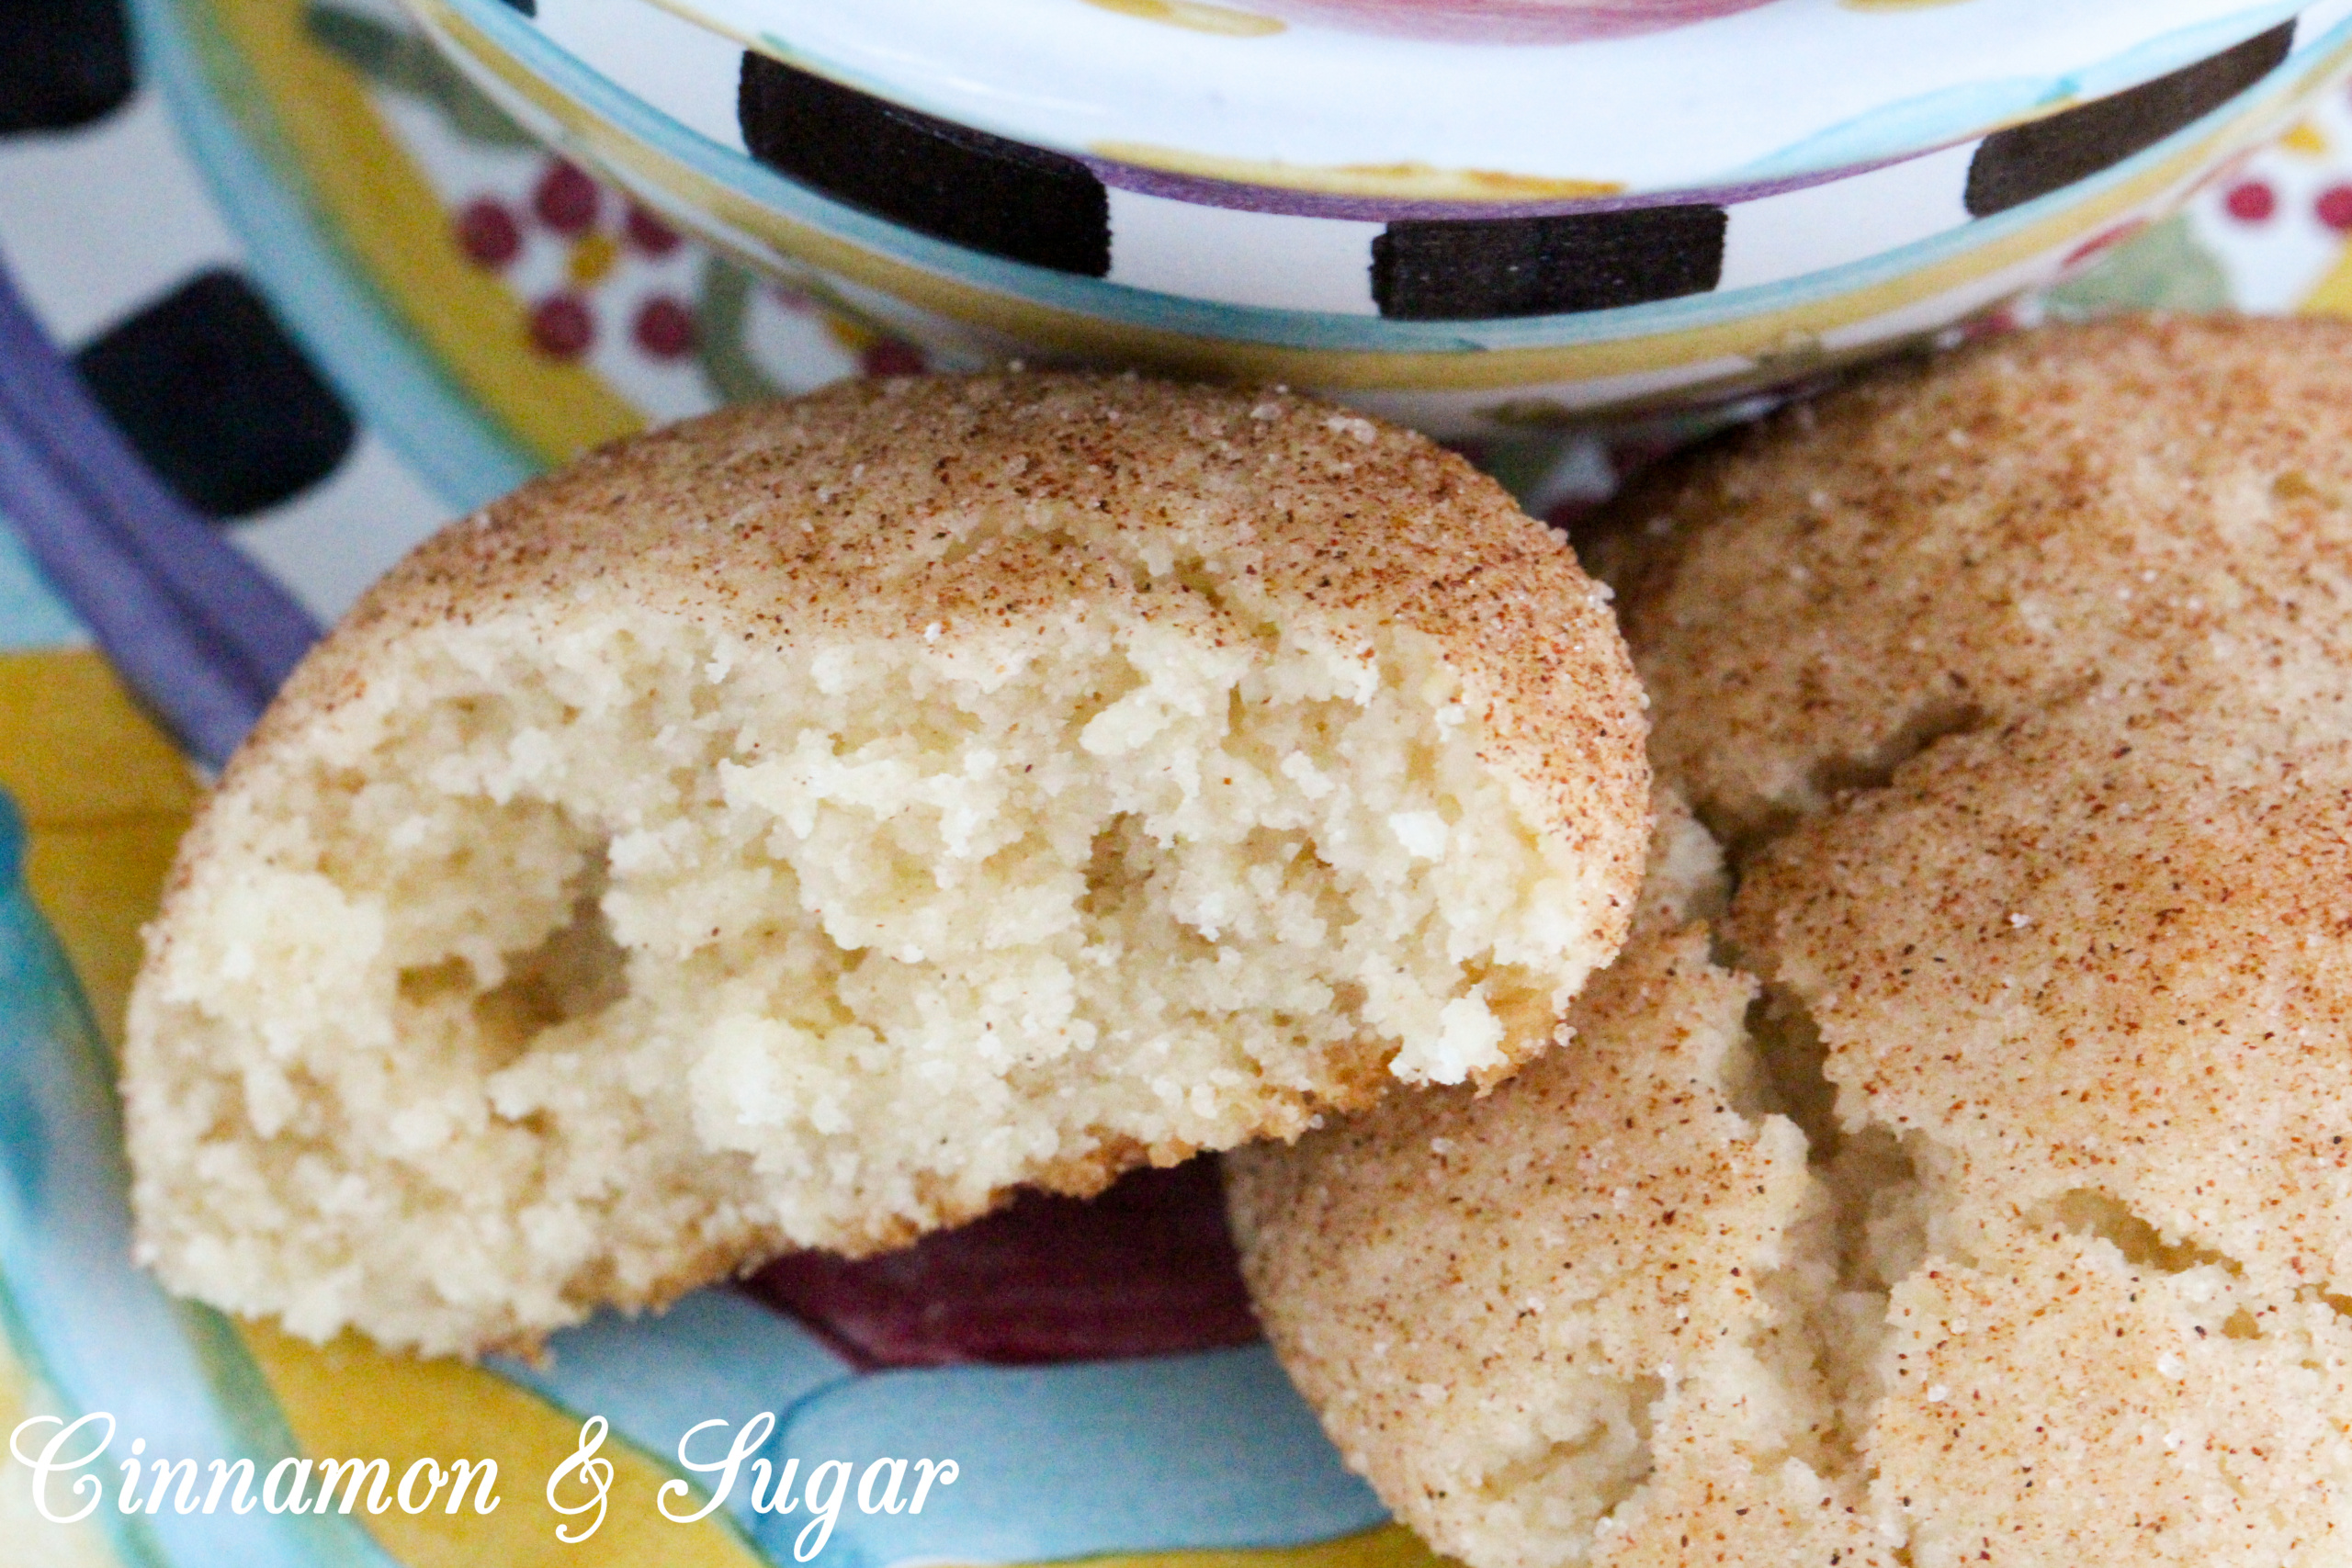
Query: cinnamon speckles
[(2018, 687), (808, 825)]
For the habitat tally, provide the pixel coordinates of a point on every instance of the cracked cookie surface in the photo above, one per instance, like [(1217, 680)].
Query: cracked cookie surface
[(2015, 685), (807, 825)]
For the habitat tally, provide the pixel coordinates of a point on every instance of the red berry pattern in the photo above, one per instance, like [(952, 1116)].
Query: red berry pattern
[(487, 234), (589, 227), (2272, 228), (649, 234), (566, 200), (665, 327), (2251, 201), (562, 326)]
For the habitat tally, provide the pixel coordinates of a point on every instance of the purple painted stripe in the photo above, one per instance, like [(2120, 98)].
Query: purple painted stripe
[(198, 631), (1201, 191)]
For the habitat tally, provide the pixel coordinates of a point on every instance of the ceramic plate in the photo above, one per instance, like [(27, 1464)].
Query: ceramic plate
[(316, 296), (1681, 308), (1484, 99)]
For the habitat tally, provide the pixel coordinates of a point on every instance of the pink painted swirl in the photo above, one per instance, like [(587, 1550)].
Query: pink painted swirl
[(1503, 21)]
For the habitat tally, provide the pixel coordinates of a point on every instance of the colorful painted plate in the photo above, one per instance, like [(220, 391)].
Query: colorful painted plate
[(1481, 100), (1471, 325), (290, 228)]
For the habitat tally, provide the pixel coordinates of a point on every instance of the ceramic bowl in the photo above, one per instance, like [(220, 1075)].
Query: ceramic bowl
[(1474, 215)]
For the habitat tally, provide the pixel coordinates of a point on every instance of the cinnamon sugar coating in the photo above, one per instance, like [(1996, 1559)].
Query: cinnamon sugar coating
[(807, 825), (2019, 684)]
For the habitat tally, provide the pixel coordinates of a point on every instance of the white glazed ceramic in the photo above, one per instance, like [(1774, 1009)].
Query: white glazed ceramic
[(1463, 97), (1465, 297)]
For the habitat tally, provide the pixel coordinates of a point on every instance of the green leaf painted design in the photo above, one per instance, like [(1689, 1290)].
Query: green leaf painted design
[(2164, 268), (719, 318), (403, 62)]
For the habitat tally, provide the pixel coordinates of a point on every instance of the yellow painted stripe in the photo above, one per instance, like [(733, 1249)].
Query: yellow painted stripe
[(2333, 296), (1405, 181), (1390, 1545), (401, 234), (1197, 18), (98, 885), (76, 750), (348, 1399), (105, 797)]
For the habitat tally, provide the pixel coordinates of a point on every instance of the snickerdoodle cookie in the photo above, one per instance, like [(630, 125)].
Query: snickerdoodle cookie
[(803, 826), (2011, 1222)]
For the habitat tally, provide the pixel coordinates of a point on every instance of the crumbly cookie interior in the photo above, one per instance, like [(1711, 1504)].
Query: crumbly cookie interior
[(579, 959), (1651, 1302)]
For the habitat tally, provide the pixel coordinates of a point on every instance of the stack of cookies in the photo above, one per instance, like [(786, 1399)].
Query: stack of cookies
[(1907, 1129), (1955, 1170)]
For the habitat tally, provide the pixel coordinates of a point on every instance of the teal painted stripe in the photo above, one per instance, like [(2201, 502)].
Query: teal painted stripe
[(353, 332), (515, 36), (96, 1331), (716, 1354), (1210, 1451), (31, 614), (1962, 113), (1081, 1459)]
